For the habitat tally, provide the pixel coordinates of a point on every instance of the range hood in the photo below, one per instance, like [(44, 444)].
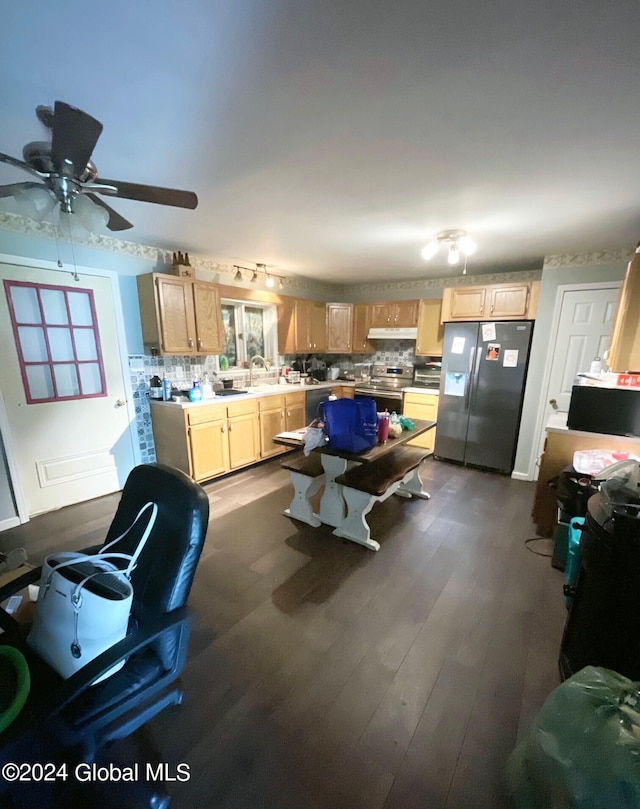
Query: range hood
[(398, 333)]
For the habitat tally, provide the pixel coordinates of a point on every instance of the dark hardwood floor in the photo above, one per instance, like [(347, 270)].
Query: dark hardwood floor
[(324, 675)]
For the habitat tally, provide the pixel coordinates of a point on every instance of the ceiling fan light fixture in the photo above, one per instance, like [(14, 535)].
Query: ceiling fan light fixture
[(71, 227), (453, 255), (94, 217), (35, 203)]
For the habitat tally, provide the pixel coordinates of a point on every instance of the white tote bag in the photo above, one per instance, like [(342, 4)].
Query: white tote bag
[(84, 604)]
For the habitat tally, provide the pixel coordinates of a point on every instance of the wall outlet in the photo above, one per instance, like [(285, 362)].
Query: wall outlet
[(179, 372)]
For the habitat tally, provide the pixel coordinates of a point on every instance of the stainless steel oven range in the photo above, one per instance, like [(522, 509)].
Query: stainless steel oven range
[(386, 385)]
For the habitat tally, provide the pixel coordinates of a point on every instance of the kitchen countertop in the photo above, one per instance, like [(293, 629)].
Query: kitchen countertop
[(425, 391), (258, 392)]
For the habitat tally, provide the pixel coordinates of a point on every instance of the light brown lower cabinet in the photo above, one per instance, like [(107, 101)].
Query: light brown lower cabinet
[(422, 406), (277, 414), (206, 440)]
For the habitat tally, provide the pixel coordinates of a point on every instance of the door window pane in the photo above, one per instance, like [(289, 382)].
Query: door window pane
[(25, 304), (66, 376), (54, 306), (85, 344), (39, 382), (34, 348), (90, 378), (80, 308), (60, 345)]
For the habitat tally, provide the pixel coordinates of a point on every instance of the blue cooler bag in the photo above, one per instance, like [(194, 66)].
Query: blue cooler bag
[(351, 424)]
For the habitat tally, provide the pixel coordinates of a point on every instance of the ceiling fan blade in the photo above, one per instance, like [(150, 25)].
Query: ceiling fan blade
[(151, 193), (19, 164), (75, 134), (10, 190), (116, 222)]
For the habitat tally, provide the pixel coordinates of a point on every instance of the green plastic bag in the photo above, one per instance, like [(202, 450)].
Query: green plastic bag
[(583, 750)]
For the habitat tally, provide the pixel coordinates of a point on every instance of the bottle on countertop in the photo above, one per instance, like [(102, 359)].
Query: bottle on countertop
[(596, 366), (195, 394), (155, 387), (207, 387), (166, 389)]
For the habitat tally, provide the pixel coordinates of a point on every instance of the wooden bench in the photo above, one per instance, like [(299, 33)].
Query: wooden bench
[(363, 486), (307, 477)]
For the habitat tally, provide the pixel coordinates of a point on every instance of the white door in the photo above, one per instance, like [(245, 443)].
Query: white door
[(76, 449), (584, 321), (586, 317)]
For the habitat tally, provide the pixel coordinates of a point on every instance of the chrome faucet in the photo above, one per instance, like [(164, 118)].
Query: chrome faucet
[(265, 365)]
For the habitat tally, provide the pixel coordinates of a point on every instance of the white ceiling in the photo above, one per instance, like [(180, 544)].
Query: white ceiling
[(333, 139)]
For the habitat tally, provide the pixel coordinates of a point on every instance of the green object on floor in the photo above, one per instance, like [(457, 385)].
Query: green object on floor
[(583, 749)]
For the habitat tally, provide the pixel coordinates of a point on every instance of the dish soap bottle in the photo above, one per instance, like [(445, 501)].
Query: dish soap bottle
[(207, 387), (195, 394)]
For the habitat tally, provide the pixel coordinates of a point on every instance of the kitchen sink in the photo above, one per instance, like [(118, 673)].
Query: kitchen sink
[(229, 392)]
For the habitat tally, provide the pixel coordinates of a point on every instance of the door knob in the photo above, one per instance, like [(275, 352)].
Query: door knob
[(553, 403), (120, 403)]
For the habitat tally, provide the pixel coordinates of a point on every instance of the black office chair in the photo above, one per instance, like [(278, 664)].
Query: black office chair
[(72, 715)]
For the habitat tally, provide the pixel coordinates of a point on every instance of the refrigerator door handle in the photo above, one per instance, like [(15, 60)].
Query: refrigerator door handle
[(476, 372), (467, 384)]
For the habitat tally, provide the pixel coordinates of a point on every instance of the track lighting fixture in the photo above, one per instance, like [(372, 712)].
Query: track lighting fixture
[(269, 278)]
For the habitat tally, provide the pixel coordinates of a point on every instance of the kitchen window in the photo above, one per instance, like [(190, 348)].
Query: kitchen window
[(57, 340), (250, 329)]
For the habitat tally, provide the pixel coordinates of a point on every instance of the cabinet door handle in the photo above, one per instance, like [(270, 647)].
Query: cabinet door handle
[(190, 342), (223, 428), (491, 312), (230, 426), (200, 343)]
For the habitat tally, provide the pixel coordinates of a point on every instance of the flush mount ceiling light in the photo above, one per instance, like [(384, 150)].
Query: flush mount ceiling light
[(456, 242)]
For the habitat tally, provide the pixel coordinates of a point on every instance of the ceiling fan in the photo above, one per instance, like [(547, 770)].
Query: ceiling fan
[(67, 174)]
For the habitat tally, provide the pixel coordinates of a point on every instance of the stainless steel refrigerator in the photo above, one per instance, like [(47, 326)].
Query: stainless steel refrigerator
[(484, 368)]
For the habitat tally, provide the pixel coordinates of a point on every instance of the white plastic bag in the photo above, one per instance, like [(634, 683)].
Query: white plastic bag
[(593, 461), (314, 437)]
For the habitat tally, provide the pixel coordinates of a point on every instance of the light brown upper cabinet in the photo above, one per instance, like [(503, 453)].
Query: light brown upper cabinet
[(180, 316), (302, 326), (624, 352), (517, 301), (430, 328), (361, 323), (396, 313), (339, 328)]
